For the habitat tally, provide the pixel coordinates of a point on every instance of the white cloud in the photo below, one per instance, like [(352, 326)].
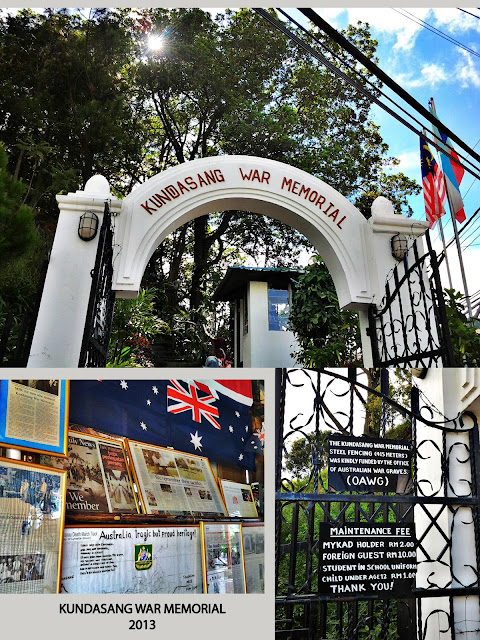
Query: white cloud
[(431, 75), (467, 71), (408, 160)]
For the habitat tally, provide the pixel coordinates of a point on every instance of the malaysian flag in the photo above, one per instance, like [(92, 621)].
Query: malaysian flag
[(433, 184), (210, 418), (452, 170)]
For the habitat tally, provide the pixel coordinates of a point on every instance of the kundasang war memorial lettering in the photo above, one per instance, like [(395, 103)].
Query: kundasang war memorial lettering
[(156, 201)]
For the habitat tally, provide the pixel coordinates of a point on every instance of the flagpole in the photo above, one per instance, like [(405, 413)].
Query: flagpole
[(460, 258), (442, 235)]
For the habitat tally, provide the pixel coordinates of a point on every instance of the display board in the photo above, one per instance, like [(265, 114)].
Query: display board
[(367, 558), (172, 483), (222, 558), (368, 464), (238, 499), (254, 552), (152, 559), (34, 415), (31, 527), (98, 480)]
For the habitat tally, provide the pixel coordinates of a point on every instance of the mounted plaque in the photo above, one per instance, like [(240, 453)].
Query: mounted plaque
[(368, 464), (173, 483), (34, 415)]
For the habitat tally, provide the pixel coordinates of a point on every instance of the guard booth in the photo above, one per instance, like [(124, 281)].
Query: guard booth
[(261, 300)]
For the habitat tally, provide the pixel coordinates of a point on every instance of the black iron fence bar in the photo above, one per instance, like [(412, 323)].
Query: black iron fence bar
[(434, 354), (434, 592), (368, 497), (390, 296), (403, 411)]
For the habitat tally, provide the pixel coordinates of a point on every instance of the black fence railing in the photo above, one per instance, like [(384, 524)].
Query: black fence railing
[(410, 327), (442, 494)]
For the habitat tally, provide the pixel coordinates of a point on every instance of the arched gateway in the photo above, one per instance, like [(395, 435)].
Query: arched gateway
[(356, 251)]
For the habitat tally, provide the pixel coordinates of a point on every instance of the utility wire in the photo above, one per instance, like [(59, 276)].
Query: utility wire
[(371, 66), (429, 27), (306, 47), (470, 14)]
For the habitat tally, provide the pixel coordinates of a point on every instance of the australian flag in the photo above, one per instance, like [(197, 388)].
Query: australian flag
[(208, 417)]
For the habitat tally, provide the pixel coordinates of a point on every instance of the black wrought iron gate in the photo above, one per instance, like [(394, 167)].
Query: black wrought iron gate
[(442, 494), (98, 322), (409, 328)]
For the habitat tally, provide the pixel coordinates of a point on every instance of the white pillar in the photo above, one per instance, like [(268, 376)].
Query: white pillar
[(452, 392), (61, 319), (383, 225)]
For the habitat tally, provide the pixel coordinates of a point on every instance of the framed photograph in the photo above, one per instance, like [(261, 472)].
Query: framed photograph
[(222, 558), (173, 483), (132, 559), (31, 527), (254, 552), (238, 499), (34, 415), (98, 479)]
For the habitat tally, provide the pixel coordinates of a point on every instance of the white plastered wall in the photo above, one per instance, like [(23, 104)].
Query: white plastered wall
[(452, 392)]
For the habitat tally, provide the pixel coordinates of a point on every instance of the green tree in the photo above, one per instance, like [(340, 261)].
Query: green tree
[(326, 335), (464, 332)]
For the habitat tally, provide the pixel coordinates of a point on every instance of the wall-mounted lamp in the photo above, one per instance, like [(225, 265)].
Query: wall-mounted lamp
[(87, 226), (399, 244)]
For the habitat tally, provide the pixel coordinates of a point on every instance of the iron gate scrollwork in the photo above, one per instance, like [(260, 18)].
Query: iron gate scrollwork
[(410, 327), (98, 322), (441, 498)]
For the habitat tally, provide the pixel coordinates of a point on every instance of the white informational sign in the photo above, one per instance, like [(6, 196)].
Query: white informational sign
[(154, 559), (174, 483), (239, 499)]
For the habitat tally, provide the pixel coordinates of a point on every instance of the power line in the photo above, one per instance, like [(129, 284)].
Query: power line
[(376, 71), (371, 66), (434, 30), (470, 14)]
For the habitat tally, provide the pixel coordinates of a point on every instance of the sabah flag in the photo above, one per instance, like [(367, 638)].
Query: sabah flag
[(452, 171), (211, 418)]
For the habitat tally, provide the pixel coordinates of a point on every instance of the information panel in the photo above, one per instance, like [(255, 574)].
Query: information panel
[(174, 483), (98, 480), (367, 558), (153, 559), (254, 552), (368, 464), (238, 499), (32, 501), (222, 555)]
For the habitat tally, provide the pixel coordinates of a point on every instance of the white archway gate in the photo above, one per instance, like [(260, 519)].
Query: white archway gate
[(356, 251)]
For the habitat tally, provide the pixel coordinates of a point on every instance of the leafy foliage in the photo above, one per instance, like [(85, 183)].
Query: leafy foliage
[(326, 335), (84, 95), (464, 332)]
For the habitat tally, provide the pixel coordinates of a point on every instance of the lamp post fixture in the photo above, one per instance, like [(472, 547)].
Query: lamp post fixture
[(88, 226)]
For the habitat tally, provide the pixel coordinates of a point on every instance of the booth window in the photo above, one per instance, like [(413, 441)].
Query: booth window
[(278, 309)]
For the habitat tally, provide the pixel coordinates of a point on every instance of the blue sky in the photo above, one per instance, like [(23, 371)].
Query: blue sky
[(427, 65)]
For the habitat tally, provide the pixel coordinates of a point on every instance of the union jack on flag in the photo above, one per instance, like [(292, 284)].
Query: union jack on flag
[(434, 191), (188, 400)]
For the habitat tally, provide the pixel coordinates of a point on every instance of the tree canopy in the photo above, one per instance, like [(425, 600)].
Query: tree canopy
[(83, 94)]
